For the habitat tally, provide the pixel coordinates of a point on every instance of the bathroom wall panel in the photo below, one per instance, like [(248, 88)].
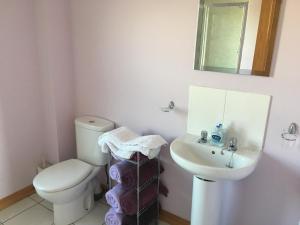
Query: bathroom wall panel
[(206, 109), (245, 117)]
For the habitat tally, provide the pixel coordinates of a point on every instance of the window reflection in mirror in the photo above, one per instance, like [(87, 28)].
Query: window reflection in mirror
[(231, 34)]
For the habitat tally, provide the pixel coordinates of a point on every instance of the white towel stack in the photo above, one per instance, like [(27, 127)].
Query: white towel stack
[(123, 143)]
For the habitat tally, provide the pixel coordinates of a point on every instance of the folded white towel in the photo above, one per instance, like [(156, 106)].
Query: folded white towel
[(148, 145), (113, 140), (124, 143)]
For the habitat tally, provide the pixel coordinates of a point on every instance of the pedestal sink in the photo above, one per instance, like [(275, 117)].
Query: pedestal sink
[(210, 164)]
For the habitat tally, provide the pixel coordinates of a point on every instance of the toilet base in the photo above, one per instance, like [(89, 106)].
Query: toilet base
[(68, 213)]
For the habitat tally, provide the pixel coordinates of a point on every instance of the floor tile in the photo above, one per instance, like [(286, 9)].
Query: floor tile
[(35, 197), (28, 212), (95, 217), (36, 215), (47, 204), (15, 209)]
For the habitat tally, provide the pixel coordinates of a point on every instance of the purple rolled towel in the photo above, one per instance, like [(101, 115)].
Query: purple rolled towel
[(124, 173), (114, 218), (128, 200), (113, 197)]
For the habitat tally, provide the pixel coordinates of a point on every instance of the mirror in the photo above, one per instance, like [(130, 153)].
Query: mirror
[(236, 36)]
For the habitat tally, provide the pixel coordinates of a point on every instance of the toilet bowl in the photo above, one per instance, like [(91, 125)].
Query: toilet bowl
[(70, 185)]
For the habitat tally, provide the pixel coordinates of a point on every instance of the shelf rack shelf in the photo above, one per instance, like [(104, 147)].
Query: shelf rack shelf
[(141, 161)]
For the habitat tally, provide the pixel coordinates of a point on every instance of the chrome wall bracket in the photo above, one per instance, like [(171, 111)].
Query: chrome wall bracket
[(291, 134)]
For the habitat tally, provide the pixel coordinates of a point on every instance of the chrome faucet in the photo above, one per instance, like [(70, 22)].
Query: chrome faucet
[(232, 146), (203, 138)]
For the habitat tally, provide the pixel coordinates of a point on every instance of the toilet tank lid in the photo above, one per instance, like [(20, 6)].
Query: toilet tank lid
[(94, 123)]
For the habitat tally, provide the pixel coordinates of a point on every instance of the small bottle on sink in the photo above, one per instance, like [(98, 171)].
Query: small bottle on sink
[(217, 136)]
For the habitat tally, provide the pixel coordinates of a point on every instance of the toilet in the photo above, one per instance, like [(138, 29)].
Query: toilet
[(70, 185)]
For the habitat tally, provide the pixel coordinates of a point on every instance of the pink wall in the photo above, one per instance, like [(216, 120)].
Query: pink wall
[(132, 57), (36, 89), (21, 117), (56, 68)]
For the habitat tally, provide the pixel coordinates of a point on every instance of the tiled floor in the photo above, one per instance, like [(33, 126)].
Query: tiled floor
[(36, 211)]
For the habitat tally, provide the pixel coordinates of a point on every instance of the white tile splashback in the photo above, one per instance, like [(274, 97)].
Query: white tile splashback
[(244, 115), (206, 109)]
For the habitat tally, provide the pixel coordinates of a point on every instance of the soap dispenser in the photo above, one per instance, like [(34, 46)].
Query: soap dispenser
[(217, 136)]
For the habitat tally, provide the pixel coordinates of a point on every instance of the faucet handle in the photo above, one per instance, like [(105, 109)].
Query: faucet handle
[(232, 144), (203, 138)]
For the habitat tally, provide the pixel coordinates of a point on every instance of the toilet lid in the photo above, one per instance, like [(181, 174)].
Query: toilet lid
[(62, 176)]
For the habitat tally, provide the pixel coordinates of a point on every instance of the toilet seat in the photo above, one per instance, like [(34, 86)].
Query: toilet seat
[(62, 176)]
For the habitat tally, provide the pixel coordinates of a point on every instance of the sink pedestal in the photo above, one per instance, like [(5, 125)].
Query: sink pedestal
[(206, 202)]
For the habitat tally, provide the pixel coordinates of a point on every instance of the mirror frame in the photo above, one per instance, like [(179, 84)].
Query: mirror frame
[(265, 41)]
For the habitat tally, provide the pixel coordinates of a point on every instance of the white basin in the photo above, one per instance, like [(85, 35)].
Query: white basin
[(209, 162)]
